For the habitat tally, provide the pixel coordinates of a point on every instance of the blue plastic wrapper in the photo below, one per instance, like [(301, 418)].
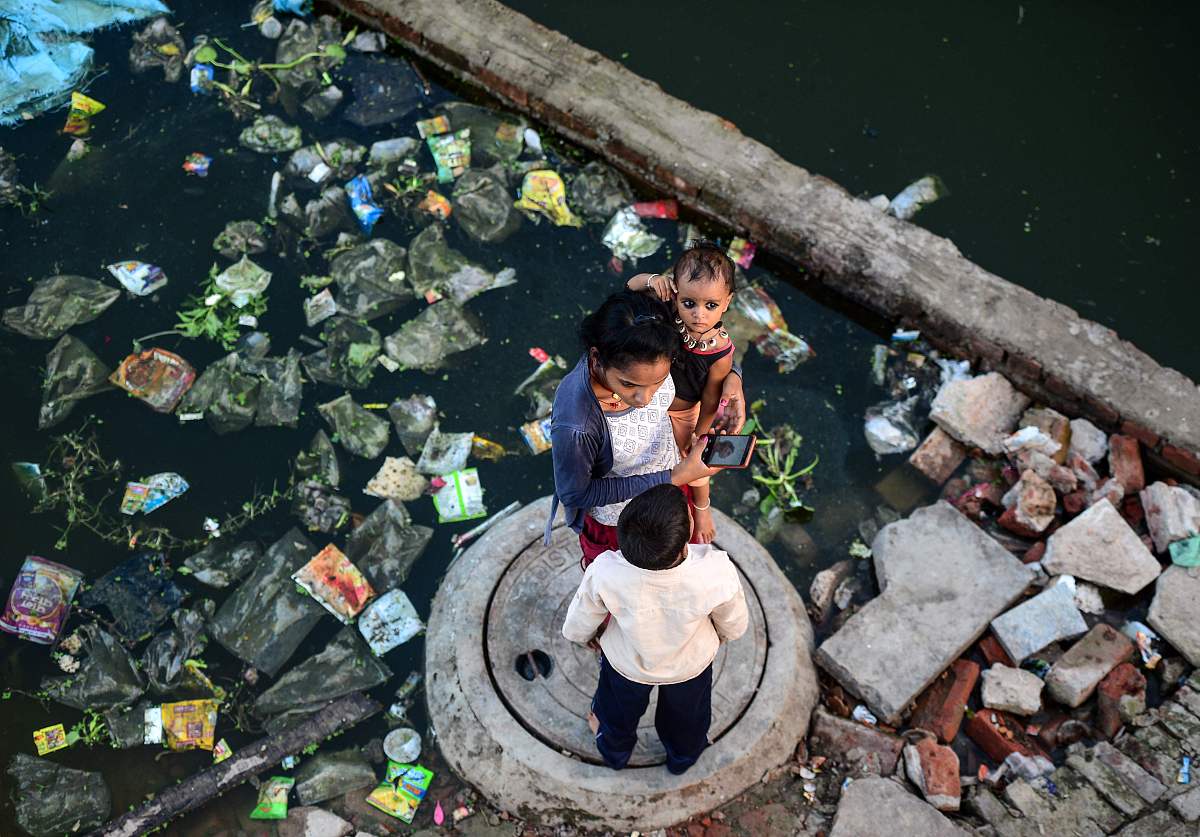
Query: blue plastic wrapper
[(202, 78), (296, 7), (363, 204)]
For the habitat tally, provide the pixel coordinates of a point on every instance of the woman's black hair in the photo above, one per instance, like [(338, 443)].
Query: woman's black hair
[(630, 327)]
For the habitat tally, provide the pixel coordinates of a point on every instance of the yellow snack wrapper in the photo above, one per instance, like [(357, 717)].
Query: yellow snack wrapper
[(79, 118), (543, 191), (190, 724), (49, 739)]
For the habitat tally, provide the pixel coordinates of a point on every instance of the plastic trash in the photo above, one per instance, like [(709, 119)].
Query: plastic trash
[(889, 426), (398, 479), (460, 540), (349, 357), (139, 278), (402, 745), (414, 418), (496, 137), (324, 102), (543, 193), (56, 304), (50, 739), (387, 544), (363, 203), (628, 237), (200, 80), (387, 623), (451, 153), (482, 206), (371, 279), (741, 252), (901, 335), (221, 562), (319, 508), (266, 619), (167, 652), (158, 45), (755, 318), (152, 726), (864, 716), (437, 270), (73, 372), (40, 600), (273, 799), (79, 117), (190, 724), (536, 434), (445, 452), (461, 498), (1186, 553), (336, 583), (663, 209), (541, 385), (221, 751), (152, 492), (328, 775), (917, 195), (197, 163), (156, 376), (270, 135), (319, 461), (107, 676), (243, 281), (345, 666), (319, 307), (241, 388), (295, 7), (138, 592), (384, 89), (390, 153), (51, 800), (598, 191), (241, 238), (401, 791), (1184, 777), (29, 477), (433, 126), (433, 335), (358, 430)]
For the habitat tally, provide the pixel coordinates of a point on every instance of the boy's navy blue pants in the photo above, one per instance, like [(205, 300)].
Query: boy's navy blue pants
[(682, 720)]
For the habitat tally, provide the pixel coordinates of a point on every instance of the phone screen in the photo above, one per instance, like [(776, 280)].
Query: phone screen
[(727, 451)]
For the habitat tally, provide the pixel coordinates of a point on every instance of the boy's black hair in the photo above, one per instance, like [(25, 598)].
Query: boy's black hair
[(630, 327), (705, 262), (654, 527)]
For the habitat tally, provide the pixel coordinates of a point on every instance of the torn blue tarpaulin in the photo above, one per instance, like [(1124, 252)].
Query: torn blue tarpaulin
[(39, 66)]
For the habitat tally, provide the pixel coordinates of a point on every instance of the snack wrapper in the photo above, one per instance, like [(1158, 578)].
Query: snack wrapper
[(536, 434), (190, 724), (543, 191), (273, 799), (432, 127), (79, 117), (40, 600), (451, 153), (461, 498), (436, 205), (401, 791), (139, 278), (49, 739), (741, 252), (363, 203), (337, 584)]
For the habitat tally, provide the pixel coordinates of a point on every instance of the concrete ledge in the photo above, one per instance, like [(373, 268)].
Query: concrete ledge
[(896, 269), (485, 745)]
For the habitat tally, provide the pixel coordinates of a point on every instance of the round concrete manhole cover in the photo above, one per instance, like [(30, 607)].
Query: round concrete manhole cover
[(547, 682)]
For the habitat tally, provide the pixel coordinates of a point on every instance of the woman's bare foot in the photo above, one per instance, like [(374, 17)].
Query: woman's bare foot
[(593, 723)]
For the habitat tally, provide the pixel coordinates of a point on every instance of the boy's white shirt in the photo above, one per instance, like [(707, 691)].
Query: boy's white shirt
[(666, 625)]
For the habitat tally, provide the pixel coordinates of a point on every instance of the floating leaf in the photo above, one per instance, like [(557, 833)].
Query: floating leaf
[(205, 55)]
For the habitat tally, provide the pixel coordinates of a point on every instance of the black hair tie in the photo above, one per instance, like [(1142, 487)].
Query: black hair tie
[(641, 319)]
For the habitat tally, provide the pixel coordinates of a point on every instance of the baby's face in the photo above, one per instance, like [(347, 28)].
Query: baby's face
[(701, 305)]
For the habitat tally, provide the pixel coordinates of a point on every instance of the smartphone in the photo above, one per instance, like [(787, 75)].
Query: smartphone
[(728, 451)]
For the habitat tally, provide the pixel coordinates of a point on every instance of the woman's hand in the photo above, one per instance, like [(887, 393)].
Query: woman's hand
[(704, 529), (692, 468), (733, 418)]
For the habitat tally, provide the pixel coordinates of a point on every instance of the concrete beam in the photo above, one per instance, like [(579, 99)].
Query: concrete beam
[(897, 269)]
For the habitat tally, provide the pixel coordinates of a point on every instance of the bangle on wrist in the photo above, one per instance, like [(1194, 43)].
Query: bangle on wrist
[(705, 507), (648, 278)]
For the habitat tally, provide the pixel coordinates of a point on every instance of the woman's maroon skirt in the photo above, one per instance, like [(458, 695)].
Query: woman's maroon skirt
[(597, 538)]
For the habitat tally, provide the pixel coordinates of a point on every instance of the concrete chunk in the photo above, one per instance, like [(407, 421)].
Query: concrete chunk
[(1172, 514), (1187, 805), (1099, 546), (942, 581), (881, 806), (1131, 773), (979, 411), (853, 744), (1048, 617), (1173, 613), (1088, 440), (1012, 690), (1075, 676), (1106, 780)]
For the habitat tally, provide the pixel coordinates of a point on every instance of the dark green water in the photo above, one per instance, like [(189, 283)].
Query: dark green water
[(1068, 133), (130, 199)]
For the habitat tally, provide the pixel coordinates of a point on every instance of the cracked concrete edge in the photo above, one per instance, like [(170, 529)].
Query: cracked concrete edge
[(894, 268), (490, 750)]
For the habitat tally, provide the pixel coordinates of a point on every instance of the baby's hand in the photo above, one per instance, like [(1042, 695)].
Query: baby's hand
[(662, 285), (705, 529)]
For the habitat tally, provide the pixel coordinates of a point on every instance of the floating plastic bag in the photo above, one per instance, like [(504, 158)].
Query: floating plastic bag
[(73, 372), (79, 117), (387, 544), (156, 376), (414, 418), (328, 775), (389, 622), (201, 79), (241, 238), (190, 724), (270, 135), (437, 332), (273, 799), (243, 281), (437, 270), (345, 666), (158, 45), (319, 308), (139, 278), (461, 498), (337, 584), (167, 652), (52, 800), (402, 745), (221, 563), (445, 452), (398, 479), (371, 279), (391, 153), (541, 386), (401, 791), (628, 237), (598, 191), (319, 508), (359, 431), (152, 492), (56, 304), (349, 357), (496, 137), (483, 207), (917, 195), (266, 619), (106, 676), (40, 600), (384, 88), (319, 461), (755, 318), (362, 202), (138, 592), (197, 163), (223, 394), (889, 426), (280, 388), (451, 153), (543, 192)]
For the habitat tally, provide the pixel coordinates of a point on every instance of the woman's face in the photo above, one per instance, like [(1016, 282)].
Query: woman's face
[(637, 382)]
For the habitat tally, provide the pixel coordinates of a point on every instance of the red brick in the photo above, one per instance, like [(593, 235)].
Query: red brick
[(1000, 736), (940, 707), (853, 744), (1124, 681), (1100, 412), (1057, 386), (938, 456), (1143, 434), (1131, 509), (1075, 502), (934, 769), (1182, 459), (1035, 553), (1023, 367), (1125, 462), (993, 652), (1009, 521)]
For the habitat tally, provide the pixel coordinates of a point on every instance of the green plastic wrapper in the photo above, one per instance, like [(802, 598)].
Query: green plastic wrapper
[(273, 799)]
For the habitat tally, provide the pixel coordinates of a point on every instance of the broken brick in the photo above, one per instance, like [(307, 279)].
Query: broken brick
[(934, 770), (1125, 462), (1131, 510), (1010, 522), (1034, 553), (993, 652), (854, 745), (940, 707), (1075, 502), (1182, 459), (1000, 736), (1143, 434), (1121, 696), (938, 456)]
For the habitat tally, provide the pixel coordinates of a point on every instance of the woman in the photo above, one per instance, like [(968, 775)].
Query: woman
[(610, 433)]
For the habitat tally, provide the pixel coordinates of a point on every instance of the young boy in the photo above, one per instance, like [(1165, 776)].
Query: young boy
[(672, 604)]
